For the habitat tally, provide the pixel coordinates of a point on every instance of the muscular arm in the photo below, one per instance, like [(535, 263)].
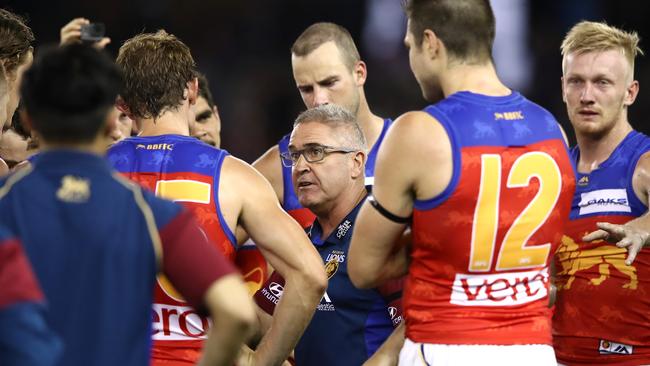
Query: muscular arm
[(286, 247), (224, 300), (641, 178), (414, 141), (208, 281), (270, 166)]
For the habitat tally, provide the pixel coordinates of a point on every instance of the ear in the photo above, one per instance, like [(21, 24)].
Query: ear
[(563, 91), (360, 73), (631, 92), (121, 105), (110, 122), (431, 44), (193, 90), (359, 164)]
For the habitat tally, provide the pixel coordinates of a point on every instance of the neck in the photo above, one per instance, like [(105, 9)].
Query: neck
[(370, 124), (479, 79), (596, 149), (330, 218), (169, 123)]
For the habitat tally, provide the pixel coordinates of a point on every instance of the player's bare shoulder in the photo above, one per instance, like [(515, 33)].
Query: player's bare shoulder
[(270, 166), (418, 139), (641, 178)]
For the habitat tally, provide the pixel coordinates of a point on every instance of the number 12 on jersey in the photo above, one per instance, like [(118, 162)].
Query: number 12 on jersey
[(513, 253)]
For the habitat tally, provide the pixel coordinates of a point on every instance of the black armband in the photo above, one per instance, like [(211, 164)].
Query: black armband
[(387, 214)]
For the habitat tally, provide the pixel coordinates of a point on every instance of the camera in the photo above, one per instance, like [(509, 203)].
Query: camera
[(93, 32)]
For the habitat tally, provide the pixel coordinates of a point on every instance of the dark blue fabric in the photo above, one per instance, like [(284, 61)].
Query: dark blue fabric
[(25, 339), (91, 251), (349, 324)]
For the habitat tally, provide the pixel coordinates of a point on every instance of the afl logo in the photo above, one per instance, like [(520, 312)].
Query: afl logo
[(331, 267), (276, 289)]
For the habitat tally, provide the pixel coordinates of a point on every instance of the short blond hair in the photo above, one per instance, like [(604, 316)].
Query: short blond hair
[(599, 36)]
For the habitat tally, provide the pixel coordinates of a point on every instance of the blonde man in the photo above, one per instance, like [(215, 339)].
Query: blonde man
[(602, 305)]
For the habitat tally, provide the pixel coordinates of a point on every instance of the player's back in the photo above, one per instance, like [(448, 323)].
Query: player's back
[(182, 169), (90, 238), (479, 271), (187, 171)]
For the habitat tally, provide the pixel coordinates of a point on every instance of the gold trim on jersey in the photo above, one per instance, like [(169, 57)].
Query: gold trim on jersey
[(148, 217)]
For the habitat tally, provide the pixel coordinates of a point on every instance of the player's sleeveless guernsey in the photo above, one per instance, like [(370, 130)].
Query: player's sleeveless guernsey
[(603, 305), (187, 171), (479, 271), (290, 201)]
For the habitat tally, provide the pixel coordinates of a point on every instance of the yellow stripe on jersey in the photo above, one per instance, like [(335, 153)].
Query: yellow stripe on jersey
[(184, 190)]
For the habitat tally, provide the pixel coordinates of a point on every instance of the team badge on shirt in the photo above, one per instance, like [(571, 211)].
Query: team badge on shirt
[(73, 189), (332, 262), (331, 267)]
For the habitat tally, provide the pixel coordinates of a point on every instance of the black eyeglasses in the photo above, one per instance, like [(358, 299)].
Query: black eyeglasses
[(312, 154)]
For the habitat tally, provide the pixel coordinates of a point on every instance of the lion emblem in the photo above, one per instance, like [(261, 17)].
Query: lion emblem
[(606, 256), (331, 267)]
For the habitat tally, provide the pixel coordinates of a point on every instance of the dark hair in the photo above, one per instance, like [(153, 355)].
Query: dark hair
[(69, 92), (156, 68), (204, 89), (466, 27), (15, 40), (319, 33)]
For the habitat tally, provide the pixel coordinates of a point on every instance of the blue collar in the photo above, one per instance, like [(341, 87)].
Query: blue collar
[(341, 235)]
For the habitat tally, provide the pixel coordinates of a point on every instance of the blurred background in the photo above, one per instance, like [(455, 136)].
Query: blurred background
[(243, 48)]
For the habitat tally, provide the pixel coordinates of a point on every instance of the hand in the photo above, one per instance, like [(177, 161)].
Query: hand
[(624, 236), (246, 357), (71, 33)]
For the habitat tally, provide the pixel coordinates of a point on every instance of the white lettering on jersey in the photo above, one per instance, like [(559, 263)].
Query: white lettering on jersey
[(178, 323), (326, 303), (604, 200), (502, 289)]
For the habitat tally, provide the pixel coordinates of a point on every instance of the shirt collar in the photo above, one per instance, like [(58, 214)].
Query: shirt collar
[(341, 234)]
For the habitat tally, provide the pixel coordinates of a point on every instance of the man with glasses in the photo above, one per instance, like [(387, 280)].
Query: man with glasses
[(327, 69), (327, 154)]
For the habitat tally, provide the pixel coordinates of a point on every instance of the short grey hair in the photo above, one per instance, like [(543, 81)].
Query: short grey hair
[(335, 116)]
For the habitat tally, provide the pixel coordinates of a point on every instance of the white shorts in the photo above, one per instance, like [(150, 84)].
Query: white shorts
[(472, 355)]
